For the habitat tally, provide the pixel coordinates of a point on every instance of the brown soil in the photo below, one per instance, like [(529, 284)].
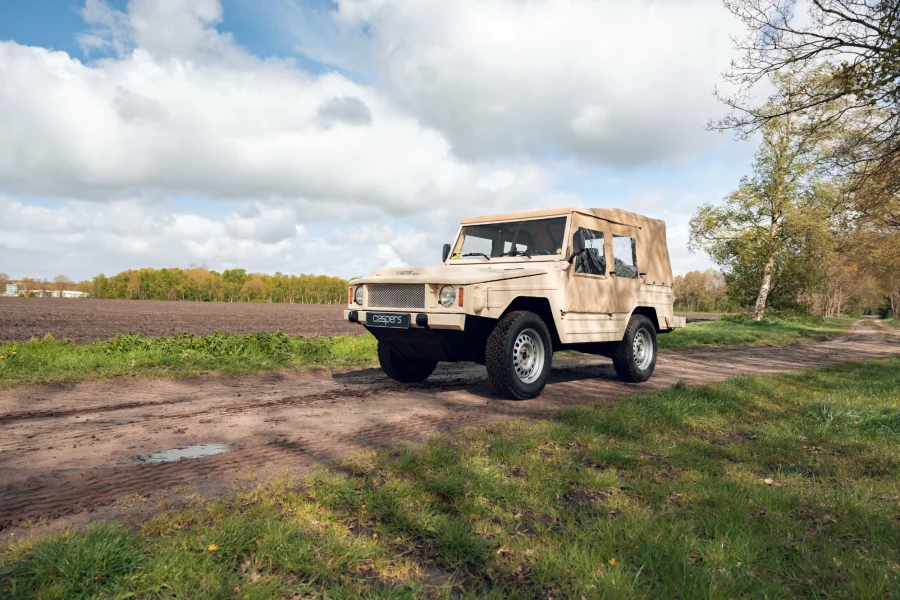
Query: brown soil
[(86, 320), (67, 452)]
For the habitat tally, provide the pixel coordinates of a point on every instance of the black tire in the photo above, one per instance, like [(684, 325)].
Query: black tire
[(402, 369), (630, 364), (500, 355)]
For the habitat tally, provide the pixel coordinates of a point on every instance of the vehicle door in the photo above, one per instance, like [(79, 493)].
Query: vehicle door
[(589, 287), (604, 276), (624, 268)]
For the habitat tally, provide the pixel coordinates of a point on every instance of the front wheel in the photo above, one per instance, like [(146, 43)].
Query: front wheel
[(635, 356), (402, 369), (518, 356)]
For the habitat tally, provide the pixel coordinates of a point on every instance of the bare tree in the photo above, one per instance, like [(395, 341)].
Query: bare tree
[(4, 279), (62, 283), (848, 54)]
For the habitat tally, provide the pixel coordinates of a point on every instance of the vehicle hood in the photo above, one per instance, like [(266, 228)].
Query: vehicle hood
[(455, 275)]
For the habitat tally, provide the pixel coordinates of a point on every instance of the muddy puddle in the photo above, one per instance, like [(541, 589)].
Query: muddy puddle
[(188, 452)]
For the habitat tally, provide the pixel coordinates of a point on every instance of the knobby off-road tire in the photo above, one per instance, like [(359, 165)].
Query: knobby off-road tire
[(518, 356), (634, 358), (402, 369)]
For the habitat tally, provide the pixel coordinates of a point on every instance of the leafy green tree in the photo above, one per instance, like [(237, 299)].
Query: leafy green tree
[(769, 229), (232, 282)]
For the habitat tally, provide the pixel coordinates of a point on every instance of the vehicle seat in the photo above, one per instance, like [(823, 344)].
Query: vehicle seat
[(625, 270), (591, 261)]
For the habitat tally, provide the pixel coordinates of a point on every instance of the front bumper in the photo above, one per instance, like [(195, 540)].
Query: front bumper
[(451, 322)]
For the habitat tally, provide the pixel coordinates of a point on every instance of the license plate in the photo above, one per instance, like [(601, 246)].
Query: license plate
[(392, 320)]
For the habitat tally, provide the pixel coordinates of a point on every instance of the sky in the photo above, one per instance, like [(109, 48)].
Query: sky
[(336, 137)]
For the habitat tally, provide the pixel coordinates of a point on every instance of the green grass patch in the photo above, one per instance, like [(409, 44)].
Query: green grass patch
[(44, 360), (48, 359), (729, 331), (778, 486)]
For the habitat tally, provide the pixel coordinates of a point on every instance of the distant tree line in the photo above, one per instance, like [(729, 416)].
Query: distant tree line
[(200, 284), (701, 291)]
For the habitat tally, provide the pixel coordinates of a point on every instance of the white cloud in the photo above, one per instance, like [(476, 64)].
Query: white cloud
[(619, 82), (188, 111), (108, 29), (44, 241), (317, 172)]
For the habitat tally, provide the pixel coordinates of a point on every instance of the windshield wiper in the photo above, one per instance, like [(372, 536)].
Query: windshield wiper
[(525, 253), (477, 254)]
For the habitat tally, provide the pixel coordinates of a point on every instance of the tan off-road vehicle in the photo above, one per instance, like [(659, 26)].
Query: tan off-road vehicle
[(515, 288)]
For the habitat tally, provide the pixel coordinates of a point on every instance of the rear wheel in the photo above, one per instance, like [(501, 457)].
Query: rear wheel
[(402, 369), (634, 358), (518, 356)]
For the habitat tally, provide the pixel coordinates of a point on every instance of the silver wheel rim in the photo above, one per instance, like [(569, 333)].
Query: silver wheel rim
[(528, 356), (643, 349)]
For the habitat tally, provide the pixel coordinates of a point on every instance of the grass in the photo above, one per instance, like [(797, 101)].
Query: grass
[(778, 486), (731, 331), (48, 360)]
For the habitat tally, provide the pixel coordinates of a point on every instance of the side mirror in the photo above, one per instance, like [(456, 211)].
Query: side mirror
[(446, 252), (577, 247)]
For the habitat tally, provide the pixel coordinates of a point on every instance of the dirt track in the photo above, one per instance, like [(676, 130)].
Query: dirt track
[(67, 451)]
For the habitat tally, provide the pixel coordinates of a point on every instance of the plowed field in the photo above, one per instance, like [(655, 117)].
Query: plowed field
[(86, 320)]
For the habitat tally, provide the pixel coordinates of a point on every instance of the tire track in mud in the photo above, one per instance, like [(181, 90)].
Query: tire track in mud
[(184, 418), (368, 412), (38, 498), (289, 400)]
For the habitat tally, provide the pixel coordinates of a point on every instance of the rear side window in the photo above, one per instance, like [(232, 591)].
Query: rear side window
[(593, 260), (625, 256)]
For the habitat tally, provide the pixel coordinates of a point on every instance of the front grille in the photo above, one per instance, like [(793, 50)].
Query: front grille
[(396, 295)]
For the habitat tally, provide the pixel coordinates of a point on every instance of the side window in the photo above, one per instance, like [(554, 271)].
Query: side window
[(625, 256), (593, 260)]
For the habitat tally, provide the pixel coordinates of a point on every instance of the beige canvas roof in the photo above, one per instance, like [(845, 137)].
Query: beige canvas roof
[(615, 215), (653, 254)]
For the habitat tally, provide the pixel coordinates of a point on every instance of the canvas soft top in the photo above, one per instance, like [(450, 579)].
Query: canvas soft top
[(653, 254), (614, 215)]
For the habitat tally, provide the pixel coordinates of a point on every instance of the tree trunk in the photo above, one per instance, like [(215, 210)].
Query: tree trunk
[(759, 311)]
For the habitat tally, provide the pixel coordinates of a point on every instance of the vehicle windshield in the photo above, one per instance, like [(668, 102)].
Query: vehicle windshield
[(537, 237)]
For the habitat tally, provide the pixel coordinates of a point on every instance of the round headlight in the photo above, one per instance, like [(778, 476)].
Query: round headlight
[(448, 296), (359, 296)]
